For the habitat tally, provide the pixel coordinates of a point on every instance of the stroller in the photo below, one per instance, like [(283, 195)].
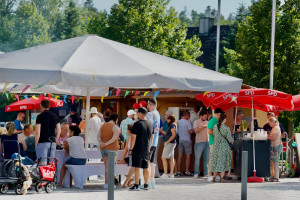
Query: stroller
[(11, 174), (44, 176)]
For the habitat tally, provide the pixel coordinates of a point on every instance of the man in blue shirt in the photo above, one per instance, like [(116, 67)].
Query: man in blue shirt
[(18, 126)]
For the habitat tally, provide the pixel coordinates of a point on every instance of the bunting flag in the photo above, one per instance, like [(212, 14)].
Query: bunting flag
[(39, 86), (234, 98), (146, 93), (17, 96), (104, 95), (118, 92), (156, 94), (205, 93), (190, 91), (102, 98), (73, 98), (65, 98), (169, 90), (5, 85), (49, 96), (26, 97), (56, 97), (25, 89), (126, 93), (16, 85), (136, 93), (34, 97), (7, 96), (111, 92)]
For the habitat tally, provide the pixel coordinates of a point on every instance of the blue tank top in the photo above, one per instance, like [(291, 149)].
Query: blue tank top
[(11, 147)]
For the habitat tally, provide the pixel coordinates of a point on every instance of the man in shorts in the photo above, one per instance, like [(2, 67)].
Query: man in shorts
[(154, 117), (141, 140), (47, 127), (185, 130)]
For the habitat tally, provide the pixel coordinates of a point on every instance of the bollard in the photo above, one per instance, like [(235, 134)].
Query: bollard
[(111, 175), (244, 174)]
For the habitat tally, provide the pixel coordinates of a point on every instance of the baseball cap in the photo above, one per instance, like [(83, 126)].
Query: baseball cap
[(142, 110), (219, 110), (130, 112)]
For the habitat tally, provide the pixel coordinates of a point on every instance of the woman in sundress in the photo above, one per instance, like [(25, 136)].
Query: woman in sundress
[(221, 157)]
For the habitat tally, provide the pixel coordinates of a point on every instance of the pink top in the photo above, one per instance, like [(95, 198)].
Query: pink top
[(61, 140), (202, 134)]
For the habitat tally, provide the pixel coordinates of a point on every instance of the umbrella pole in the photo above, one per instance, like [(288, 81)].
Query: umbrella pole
[(234, 124), (87, 113)]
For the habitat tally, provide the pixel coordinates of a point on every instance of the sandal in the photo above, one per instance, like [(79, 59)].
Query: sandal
[(274, 180)]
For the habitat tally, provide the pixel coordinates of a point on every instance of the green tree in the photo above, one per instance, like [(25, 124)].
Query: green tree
[(148, 24), (90, 6), (184, 18), (30, 27)]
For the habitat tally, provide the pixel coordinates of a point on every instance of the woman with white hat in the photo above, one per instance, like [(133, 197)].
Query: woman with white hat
[(93, 129)]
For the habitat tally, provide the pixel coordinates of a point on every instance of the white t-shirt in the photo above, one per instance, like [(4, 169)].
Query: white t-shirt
[(93, 130), (76, 147)]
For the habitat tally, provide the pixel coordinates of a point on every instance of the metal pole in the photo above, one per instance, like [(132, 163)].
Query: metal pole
[(244, 174), (111, 177), (272, 45), (218, 35), (87, 113)]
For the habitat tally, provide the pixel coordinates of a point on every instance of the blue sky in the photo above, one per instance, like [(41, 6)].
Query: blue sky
[(227, 6)]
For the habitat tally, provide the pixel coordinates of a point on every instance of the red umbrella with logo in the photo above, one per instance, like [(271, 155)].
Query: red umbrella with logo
[(33, 103), (208, 97)]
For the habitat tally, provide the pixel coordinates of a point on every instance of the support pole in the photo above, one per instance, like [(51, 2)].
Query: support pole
[(111, 177), (272, 45), (87, 112), (218, 36), (244, 175)]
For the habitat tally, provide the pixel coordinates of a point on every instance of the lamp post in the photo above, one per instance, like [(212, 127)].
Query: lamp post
[(218, 36), (272, 44)]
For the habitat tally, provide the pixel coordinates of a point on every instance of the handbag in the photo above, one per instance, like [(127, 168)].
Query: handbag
[(231, 146)]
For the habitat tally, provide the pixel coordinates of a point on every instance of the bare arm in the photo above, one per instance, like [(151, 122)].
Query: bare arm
[(37, 133), (191, 131), (132, 143), (18, 131), (125, 151), (58, 131), (99, 136), (22, 141), (210, 131), (173, 131)]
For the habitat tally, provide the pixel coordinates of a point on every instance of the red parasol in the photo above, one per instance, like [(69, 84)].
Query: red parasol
[(208, 97), (32, 104)]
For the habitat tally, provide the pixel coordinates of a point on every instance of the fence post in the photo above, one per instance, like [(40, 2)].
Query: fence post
[(111, 175), (244, 175)]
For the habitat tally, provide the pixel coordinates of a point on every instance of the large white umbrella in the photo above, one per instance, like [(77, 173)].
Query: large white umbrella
[(91, 61)]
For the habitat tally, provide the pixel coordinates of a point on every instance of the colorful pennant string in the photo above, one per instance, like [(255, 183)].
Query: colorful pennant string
[(39, 86), (156, 94), (17, 96), (7, 96), (65, 98), (136, 93), (56, 97), (118, 92), (5, 85), (205, 93), (126, 93), (25, 89), (16, 85), (111, 92), (73, 98), (34, 97), (102, 98), (169, 90), (49, 96), (26, 97), (146, 93)]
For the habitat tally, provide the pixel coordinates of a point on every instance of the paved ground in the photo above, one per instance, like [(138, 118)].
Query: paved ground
[(173, 189)]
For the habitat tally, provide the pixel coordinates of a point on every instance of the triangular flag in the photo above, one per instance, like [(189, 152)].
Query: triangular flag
[(234, 99), (34, 97), (169, 90), (49, 96), (17, 96), (73, 98), (104, 95), (118, 92), (146, 93), (102, 98), (5, 85), (7, 96), (56, 97), (26, 97), (65, 98), (16, 85), (136, 93), (126, 93), (205, 93), (39, 86), (190, 91), (26, 88), (111, 92), (156, 94)]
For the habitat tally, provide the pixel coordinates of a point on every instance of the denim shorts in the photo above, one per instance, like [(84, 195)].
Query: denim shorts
[(43, 151), (275, 153), (185, 146), (76, 161), (105, 152)]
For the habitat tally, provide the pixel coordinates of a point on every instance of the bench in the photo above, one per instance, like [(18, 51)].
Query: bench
[(80, 173)]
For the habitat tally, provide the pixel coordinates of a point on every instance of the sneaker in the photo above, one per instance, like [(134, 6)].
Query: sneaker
[(205, 176), (178, 174), (210, 178), (146, 187), (171, 176), (188, 174), (151, 184), (164, 176), (196, 176), (134, 188), (217, 178)]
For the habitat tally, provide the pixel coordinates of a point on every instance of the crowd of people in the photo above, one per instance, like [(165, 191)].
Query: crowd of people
[(140, 132)]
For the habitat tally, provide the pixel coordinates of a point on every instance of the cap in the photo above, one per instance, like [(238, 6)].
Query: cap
[(142, 110), (219, 110), (130, 112), (94, 110)]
